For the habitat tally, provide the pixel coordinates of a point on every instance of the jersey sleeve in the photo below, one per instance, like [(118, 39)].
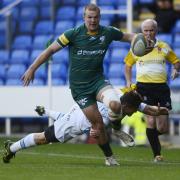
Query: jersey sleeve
[(171, 57), (115, 33), (129, 59), (65, 38)]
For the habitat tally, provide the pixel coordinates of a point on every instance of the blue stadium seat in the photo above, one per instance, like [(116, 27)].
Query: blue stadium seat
[(2, 41), (30, 3), (116, 70), (176, 43), (166, 38), (4, 57), (83, 2), (59, 71), (118, 44), (79, 14), (177, 52), (66, 13), (20, 57), (146, 1), (45, 12), (79, 22), (61, 57), (44, 28), (41, 73), (15, 71), (69, 2), (58, 82), (2, 72), (28, 13), (40, 41), (62, 26), (118, 55), (176, 28), (175, 83), (1, 82), (26, 26), (22, 42), (7, 2), (34, 55), (105, 22), (107, 16), (105, 3), (106, 69), (13, 82), (117, 81), (122, 8)]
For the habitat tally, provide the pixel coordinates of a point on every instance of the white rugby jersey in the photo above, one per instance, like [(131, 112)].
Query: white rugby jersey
[(75, 122)]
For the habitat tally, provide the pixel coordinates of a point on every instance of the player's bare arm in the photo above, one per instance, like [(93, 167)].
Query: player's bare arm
[(155, 110), (176, 71), (128, 75), (128, 37), (43, 57)]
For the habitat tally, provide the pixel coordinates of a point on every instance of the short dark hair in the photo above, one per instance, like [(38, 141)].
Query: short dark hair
[(132, 98), (91, 7)]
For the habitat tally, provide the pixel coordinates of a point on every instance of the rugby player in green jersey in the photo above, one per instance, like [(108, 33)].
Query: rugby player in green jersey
[(88, 44)]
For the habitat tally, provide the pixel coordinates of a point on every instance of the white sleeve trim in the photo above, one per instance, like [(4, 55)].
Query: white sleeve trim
[(142, 107)]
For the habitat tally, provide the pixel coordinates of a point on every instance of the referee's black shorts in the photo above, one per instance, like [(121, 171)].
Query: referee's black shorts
[(154, 93)]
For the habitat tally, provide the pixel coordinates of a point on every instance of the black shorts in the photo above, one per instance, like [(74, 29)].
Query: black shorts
[(154, 93), (49, 134)]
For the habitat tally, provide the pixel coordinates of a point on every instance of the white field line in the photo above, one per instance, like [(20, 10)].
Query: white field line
[(96, 157)]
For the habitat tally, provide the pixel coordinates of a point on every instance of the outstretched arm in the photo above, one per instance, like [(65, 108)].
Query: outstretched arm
[(43, 57), (155, 110)]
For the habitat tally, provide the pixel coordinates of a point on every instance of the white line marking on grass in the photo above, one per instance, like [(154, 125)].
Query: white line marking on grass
[(95, 157)]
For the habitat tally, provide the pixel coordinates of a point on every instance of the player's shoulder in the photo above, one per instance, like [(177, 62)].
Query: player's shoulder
[(162, 44), (110, 28)]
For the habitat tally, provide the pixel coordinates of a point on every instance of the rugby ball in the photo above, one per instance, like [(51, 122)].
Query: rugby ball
[(138, 45)]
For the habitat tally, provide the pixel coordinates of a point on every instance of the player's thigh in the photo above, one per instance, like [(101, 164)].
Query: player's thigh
[(93, 115), (108, 94), (39, 138)]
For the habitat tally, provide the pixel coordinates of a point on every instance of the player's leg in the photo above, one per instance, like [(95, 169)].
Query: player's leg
[(109, 97), (94, 116), (30, 140), (152, 135), (42, 111)]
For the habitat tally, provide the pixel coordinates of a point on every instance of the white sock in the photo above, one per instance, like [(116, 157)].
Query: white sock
[(23, 143), (54, 114)]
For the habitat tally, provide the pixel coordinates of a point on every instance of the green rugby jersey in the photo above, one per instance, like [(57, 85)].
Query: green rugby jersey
[(87, 52)]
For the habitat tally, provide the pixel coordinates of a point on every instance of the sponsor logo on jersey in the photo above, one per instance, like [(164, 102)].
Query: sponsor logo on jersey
[(102, 39), (82, 102), (92, 38), (90, 53)]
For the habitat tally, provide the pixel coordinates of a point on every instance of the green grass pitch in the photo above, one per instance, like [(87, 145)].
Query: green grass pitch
[(86, 162)]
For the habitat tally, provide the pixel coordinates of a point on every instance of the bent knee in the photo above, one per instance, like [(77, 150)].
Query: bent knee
[(40, 138), (115, 107)]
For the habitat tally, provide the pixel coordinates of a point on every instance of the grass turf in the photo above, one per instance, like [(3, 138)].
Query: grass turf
[(86, 162)]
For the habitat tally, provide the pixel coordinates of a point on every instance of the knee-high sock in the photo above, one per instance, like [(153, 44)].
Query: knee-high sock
[(152, 136), (106, 149), (23, 143)]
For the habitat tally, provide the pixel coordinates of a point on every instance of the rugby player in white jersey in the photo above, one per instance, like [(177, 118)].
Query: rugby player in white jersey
[(74, 123)]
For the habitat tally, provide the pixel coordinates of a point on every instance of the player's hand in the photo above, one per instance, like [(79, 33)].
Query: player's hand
[(27, 77), (94, 133), (174, 74), (162, 110), (150, 44)]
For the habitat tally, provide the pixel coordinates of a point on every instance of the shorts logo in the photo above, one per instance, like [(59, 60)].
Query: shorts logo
[(82, 102)]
